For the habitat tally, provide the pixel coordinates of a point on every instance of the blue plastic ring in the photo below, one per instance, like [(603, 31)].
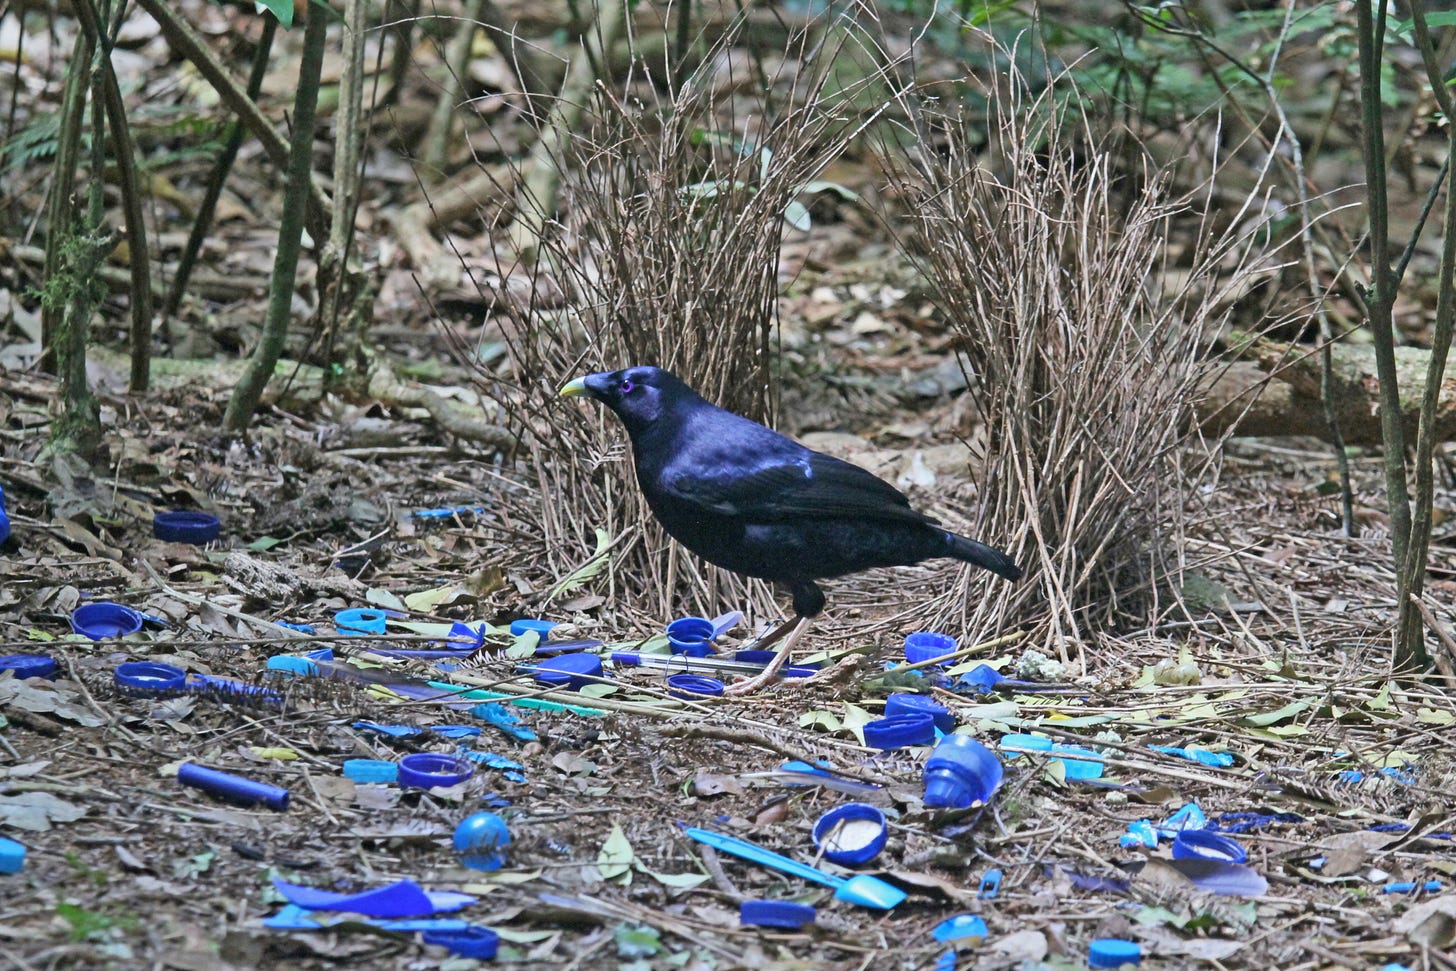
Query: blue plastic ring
[(1205, 844)]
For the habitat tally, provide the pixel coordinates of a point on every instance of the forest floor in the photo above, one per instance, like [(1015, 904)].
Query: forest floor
[(1259, 694)]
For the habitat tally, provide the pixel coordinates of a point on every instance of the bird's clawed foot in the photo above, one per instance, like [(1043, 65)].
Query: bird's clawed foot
[(794, 629)]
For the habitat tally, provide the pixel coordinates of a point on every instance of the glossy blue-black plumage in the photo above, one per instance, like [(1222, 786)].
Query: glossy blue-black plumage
[(750, 500)]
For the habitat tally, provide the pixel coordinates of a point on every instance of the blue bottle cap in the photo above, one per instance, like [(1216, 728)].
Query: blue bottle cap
[(905, 703), (693, 687), (431, 770), (1113, 952), (692, 636), (183, 526), (776, 913), (900, 731), (104, 619), (961, 772), (851, 834), (371, 771), (360, 620), (148, 678), (480, 840), (12, 856), (925, 645), (474, 941), (29, 665), (570, 671), (1205, 844), (526, 624)]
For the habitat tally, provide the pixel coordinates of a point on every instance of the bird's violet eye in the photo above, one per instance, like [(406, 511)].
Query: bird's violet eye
[(626, 386)]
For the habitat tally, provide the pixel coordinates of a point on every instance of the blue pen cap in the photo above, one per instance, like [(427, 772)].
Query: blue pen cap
[(906, 703), (233, 788), (925, 645), (851, 834), (898, 732)]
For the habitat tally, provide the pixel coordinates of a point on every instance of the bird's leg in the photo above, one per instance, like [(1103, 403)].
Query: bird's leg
[(794, 629), (808, 601)]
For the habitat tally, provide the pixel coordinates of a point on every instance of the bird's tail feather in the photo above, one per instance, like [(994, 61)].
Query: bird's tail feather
[(984, 556)]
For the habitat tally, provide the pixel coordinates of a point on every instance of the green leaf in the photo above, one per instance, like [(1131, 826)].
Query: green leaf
[(1267, 718), (825, 720), (524, 645), (383, 598), (796, 214), (679, 881), (636, 941), (281, 9), (823, 185), (588, 570), (616, 857)]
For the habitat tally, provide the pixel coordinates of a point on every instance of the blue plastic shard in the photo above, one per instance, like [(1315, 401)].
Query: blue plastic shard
[(1139, 833), (960, 927), (496, 714), (404, 898), (1188, 817), (990, 884), (456, 731), (393, 731), (1200, 755)]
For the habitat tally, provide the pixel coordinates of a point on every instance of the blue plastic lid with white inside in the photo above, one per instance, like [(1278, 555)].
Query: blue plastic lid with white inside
[(776, 913), (431, 770), (149, 678), (692, 687), (1204, 844), (851, 834), (527, 624), (479, 943)]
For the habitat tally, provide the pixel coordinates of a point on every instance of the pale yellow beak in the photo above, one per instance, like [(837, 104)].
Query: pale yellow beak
[(574, 389)]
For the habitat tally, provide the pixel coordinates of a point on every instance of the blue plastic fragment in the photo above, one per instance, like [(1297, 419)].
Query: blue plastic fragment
[(393, 731), (478, 943), (990, 884), (404, 898), (1188, 817), (301, 628), (1139, 833), (960, 927), (473, 637), (1201, 755), (495, 713), (1246, 822), (946, 962), (292, 917), (449, 512), (360, 620), (456, 731)]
